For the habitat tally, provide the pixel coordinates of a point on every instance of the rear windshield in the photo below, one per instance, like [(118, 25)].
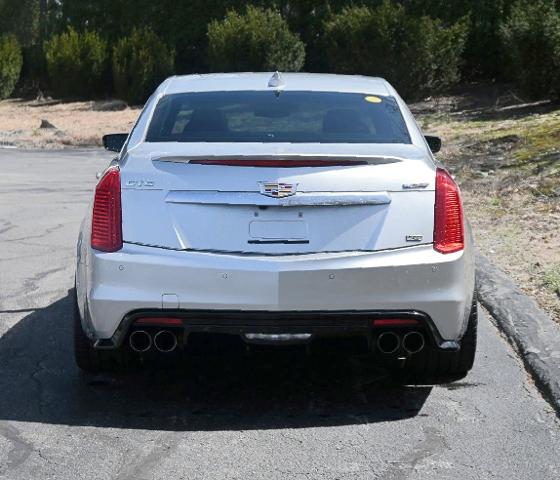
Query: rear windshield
[(293, 117)]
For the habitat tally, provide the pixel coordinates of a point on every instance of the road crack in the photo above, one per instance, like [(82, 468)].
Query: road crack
[(21, 449)]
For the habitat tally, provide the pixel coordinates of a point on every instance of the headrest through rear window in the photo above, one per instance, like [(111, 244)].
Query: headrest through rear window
[(344, 121), (206, 120)]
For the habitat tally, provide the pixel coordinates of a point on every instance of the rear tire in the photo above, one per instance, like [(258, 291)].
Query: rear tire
[(437, 366), (87, 358)]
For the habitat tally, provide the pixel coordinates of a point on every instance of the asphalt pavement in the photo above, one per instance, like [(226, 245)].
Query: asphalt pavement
[(273, 414)]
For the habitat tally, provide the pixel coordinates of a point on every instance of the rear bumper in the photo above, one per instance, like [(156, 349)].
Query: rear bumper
[(417, 279), (312, 325)]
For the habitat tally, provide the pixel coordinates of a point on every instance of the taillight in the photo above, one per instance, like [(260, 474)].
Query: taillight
[(395, 322), (449, 235), (281, 163), (106, 226), (160, 321)]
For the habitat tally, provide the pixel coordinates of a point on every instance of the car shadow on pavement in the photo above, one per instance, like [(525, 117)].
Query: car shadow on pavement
[(280, 389)]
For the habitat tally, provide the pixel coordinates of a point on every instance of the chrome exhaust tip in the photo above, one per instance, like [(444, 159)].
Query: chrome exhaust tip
[(414, 342), (388, 342), (165, 341), (140, 341)]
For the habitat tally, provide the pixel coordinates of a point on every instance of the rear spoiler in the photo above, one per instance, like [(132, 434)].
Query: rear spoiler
[(280, 161)]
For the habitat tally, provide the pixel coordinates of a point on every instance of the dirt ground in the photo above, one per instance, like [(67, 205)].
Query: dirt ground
[(504, 152), (74, 124)]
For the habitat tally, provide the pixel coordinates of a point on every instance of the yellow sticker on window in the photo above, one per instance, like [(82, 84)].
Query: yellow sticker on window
[(372, 99)]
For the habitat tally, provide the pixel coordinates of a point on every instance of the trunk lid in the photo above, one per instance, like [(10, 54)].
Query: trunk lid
[(168, 202)]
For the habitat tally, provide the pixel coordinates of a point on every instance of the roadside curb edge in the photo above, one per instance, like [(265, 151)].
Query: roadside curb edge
[(534, 335)]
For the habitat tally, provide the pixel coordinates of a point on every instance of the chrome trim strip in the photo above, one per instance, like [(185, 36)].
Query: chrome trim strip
[(301, 199)]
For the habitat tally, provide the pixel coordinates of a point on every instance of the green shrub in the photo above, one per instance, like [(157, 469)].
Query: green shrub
[(76, 63), (258, 40), (418, 55), (531, 37), (140, 62), (10, 64), (483, 49)]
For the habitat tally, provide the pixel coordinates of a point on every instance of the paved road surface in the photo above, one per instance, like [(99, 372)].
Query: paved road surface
[(270, 416)]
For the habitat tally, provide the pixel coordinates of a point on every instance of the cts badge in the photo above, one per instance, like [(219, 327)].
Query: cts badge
[(278, 189), (140, 184)]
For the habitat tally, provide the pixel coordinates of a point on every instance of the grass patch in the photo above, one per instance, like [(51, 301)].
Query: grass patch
[(539, 134), (496, 202), (536, 150), (551, 279), (548, 186)]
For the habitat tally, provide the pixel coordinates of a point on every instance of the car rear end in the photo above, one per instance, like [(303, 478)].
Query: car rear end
[(278, 215)]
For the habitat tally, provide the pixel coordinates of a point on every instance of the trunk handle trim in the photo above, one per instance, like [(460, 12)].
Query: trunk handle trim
[(300, 199)]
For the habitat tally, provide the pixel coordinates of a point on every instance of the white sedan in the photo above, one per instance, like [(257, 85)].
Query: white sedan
[(281, 209)]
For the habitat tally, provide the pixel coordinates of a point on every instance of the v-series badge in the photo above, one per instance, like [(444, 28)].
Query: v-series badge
[(140, 184)]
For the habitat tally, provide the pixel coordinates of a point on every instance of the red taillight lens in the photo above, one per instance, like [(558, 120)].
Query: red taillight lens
[(160, 321), (449, 235), (280, 163), (106, 226), (395, 322)]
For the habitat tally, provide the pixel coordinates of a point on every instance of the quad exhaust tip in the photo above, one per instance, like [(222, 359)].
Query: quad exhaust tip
[(388, 342), (165, 341), (140, 341), (413, 342)]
